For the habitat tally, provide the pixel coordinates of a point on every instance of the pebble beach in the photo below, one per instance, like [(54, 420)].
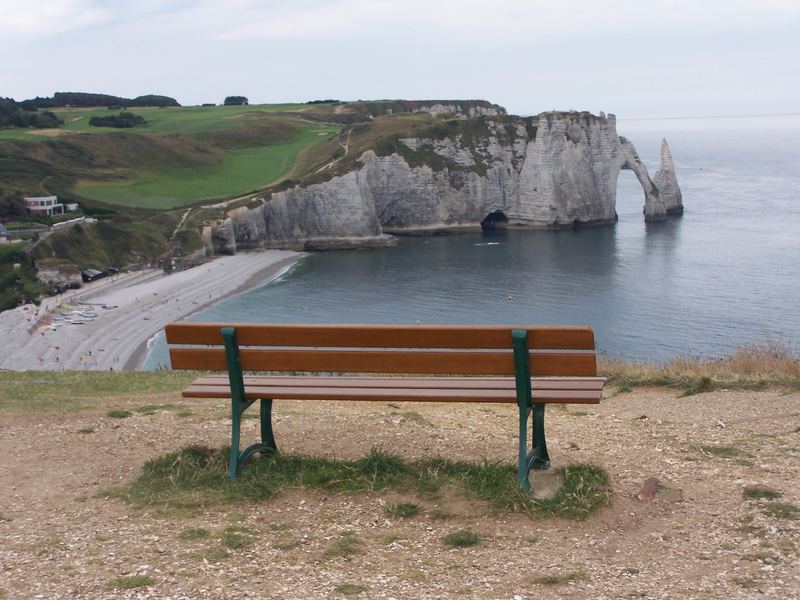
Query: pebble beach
[(106, 324)]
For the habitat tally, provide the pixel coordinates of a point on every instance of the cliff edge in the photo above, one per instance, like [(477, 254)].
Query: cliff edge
[(409, 174)]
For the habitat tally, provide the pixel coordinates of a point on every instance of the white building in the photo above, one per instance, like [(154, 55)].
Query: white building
[(5, 237), (44, 206)]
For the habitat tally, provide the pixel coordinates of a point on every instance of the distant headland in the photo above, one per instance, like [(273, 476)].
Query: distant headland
[(171, 186)]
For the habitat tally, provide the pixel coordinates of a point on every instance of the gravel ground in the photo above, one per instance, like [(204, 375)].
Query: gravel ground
[(63, 537)]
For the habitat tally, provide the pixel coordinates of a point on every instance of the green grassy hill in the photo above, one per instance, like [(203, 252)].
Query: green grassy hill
[(179, 156), (188, 155), (138, 181)]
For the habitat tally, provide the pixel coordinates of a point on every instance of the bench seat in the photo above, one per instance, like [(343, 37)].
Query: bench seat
[(574, 390)]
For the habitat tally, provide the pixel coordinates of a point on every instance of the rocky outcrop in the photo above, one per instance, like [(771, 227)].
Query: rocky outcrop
[(465, 109), (557, 170), (667, 183), (339, 213)]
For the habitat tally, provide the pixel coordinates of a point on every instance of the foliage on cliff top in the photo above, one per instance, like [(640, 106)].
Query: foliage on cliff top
[(379, 108), (17, 285), (384, 135), (119, 242)]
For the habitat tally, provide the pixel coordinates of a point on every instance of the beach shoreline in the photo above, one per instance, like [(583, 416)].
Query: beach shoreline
[(257, 279), (130, 310)]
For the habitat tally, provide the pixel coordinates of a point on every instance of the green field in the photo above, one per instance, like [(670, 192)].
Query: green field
[(240, 171), (180, 156), (189, 120)]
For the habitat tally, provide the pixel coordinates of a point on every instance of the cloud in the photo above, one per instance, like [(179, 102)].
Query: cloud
[(413, 21), (467, 21), (25, 18)]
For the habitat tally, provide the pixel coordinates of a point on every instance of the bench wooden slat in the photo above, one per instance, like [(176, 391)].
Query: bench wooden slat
[(386, 361), (504, 383), (383, 336), (394, 394)]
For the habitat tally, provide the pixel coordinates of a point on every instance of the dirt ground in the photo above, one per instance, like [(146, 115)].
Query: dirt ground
[(62, 537)]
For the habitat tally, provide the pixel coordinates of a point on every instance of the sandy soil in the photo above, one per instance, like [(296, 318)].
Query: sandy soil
[(131, 308), (64, 538)]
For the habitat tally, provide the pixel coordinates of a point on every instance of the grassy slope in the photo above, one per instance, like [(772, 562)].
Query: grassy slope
[(192, 154), (117, 241), (240, 171)]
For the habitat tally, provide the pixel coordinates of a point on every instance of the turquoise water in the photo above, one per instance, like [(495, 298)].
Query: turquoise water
[(722, 276)]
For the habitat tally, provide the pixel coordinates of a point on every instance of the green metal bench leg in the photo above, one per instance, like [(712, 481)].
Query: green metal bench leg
[(267, 443), (236, 426), (540, 459), (239, 403), (522, 374), (522, 462), (267, 436)]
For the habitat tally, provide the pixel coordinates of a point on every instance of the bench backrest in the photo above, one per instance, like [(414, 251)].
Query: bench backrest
[(409, 349)]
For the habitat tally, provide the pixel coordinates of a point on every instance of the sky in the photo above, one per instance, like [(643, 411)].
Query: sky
[(634, 58)]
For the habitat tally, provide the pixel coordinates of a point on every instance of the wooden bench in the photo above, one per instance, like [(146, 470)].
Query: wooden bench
[(529, 366)]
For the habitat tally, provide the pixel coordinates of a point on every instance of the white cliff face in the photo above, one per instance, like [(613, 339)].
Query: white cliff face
[(471, 111), (667, 182), (559, 170), (337, 213)]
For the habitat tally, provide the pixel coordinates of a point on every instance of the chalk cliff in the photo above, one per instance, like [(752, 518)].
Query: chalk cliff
[(667, 182), (556, 170)]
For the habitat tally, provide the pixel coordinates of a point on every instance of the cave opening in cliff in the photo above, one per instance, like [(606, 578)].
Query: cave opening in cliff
[(494, 220)]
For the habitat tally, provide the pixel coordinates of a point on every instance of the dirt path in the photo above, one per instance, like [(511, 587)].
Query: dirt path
[(64, 538)]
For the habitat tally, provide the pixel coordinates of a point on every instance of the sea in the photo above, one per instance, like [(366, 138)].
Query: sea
[(724, 275)]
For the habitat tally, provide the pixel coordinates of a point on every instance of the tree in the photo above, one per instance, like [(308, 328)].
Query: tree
[(236, 101), (12, 204), (122, 120)]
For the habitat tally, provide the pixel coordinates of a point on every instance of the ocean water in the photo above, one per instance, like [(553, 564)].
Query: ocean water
[(725, 274)]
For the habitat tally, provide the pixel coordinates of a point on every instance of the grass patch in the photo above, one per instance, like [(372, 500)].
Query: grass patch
[(461, 539), (403, 510), (214, 554), (345, 546), (119, 414), (758, 494), (193, 533), (151, 409), (415, 417), (750, 367), (196, 476), (722, 451), (130, 582), (69, 391), (558, 579), (236, 537), (782, 510), (349, 589), (700, 386)]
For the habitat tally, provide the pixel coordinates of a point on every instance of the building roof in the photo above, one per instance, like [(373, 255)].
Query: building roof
[(3, 230), (41, 198)]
